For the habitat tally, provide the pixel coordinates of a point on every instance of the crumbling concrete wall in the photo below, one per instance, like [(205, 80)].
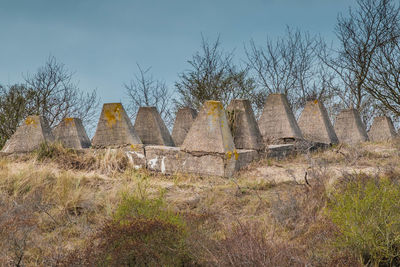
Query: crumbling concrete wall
[(114, 128), (382, 129), (151, 129), (277, 122), (33, 131), (183, 121), (243, 125), (71, 133), (315, 124), (349, 128)]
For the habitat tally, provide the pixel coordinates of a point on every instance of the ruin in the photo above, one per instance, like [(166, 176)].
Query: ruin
[(114, 128), (32, 132), (243, 125), (349, 128), (382, 129), (277, 123), (210, 131), (315, 124), (71, 133), (208, 148), (151, 128), (183, 121)]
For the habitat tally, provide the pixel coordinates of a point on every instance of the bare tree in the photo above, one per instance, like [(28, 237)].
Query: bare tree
[(56, 96), (213, 76), (384, 81), (373, 25), (15, 105), (289, 65), (145, 90)]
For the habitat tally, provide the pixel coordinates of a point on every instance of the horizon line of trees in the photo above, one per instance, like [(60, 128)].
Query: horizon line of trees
[(362, 72)]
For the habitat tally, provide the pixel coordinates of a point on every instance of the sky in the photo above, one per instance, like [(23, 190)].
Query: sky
[(103, 41)]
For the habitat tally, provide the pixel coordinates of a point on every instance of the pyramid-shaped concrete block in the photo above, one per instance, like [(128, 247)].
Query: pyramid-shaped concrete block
[(382, 129), (71, 133), (33, 131), (114, 128), (210, 131), (151, 128), (315, 124), (349, 128), (183, 121), (277, 121), (243, 124)]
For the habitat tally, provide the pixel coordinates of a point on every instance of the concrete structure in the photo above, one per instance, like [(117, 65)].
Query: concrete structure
[(210, 131), (183, 121), (315, 124), (349, 128), (33, 131), (382, 129), (243, 124), (209, 142), (151, 128), (277, 122), (171, 160), (114, 128), (280, 151), (71, 133)]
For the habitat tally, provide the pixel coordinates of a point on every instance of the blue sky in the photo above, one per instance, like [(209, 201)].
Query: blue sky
[(101, 41)]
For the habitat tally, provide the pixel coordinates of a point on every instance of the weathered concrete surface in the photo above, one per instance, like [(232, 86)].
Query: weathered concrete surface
[(277, 121), (245, 157), (151, 128), (280, 151), (114, 128), (183, 121), (382, 129), (349, 128), (71, 133), (33, 131), (210, 131), (136, 155), (171, 160), (315, 124), (243, 124)]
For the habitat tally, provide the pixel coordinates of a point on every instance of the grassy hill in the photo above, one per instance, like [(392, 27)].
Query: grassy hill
[(338, 207)]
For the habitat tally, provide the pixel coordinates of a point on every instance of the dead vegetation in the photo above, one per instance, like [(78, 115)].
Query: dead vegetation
[(56, 202)]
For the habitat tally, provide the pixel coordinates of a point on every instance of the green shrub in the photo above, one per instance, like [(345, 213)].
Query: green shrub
[(366, 211), (142, 232), (133, 206)]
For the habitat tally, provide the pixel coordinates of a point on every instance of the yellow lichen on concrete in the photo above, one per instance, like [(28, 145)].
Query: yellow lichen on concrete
[(236, 154), (31, 121), (69, 121), (112, 113), (136, 148), (231, 154), (213, 107)]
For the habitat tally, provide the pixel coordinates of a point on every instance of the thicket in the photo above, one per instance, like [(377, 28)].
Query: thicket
[(141, 232), (366, 211)]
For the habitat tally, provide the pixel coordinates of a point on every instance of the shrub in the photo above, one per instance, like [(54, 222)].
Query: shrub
[(366, 211), (142, 232), (246, 244)]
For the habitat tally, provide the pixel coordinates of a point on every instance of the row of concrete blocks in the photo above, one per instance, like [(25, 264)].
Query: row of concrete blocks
[(206, 142)]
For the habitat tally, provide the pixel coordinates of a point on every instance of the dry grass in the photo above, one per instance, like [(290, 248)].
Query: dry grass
[(270, 213)]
